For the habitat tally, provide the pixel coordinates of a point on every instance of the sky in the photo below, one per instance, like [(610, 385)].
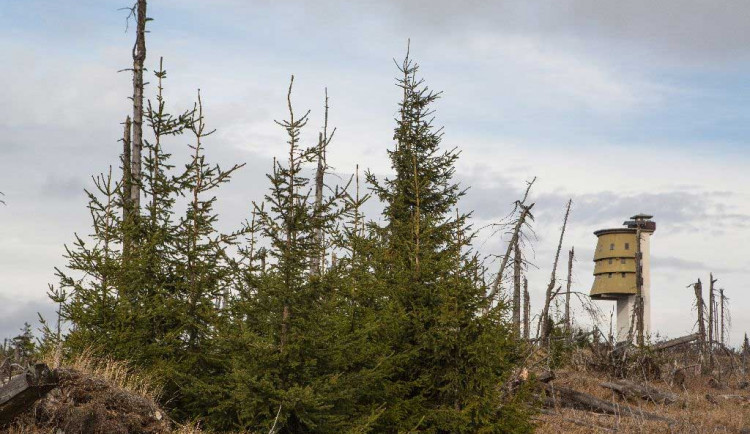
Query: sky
[(623, 107)]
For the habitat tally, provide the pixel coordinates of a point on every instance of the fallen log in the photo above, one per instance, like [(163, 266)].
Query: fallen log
[(630, 389), (546, 377), (675, 342), (742, 398), (570, 398), (22, 391), (598, 428)]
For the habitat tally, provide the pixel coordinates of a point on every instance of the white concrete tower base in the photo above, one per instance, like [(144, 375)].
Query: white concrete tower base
[(626, 305)]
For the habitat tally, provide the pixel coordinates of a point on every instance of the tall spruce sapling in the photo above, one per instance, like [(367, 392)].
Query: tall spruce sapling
[(447, 360), (147, 279), (287, 314), (200, 262), (91, 275)]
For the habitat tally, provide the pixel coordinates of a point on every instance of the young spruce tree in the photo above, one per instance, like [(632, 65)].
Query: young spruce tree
[(282, 339), (446, 362)]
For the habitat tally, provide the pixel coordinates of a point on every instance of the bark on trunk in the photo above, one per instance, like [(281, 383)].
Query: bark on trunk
[(316, 266), (526, 307), (698, 287), (126, 187), (711, 314), (139, 57), (723, 300), (517, 259), (571, 255)]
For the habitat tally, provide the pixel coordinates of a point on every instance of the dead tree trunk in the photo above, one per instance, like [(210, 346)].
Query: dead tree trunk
[(711, 320), (570, 398), (525, 213), (318, 255), (139, 57), (676, 342), (126, 157), (723, 324), (517, 289), (630, 389), (526, 309), (548, 295), (571, 256), (639, 288), (698, 287), (126, 186), (22, 391)]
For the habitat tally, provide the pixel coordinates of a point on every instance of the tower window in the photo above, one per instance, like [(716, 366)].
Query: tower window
[(612, 246), (627, 246), (609, 275), (610, 260), (623, 274), (622, 260)]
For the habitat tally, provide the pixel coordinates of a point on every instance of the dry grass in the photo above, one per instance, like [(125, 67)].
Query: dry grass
[(695, 414), (116, 373), (97, 396)]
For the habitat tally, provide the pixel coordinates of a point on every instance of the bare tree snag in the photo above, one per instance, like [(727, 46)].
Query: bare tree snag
[(324, 140), (126, 181), (524, 214), (22, 391), (571, 255), (698, 288), (639, 289), (723, 324), (139, 57), (711, 317), (517, 259), (126, 186), (526, 309), (548, 295)]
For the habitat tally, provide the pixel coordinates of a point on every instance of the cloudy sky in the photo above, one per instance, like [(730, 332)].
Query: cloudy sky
[(625, 107)]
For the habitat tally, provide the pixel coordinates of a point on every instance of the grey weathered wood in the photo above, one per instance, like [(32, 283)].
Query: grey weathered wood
[(542, 329), (698, 288), (139, 57), (22, 391), (568, 328), (675, 342), (579, 422), (546, 377), (570, 398), (516, 302), (525, 213), (526, 308), (630, 389), (743, 398)]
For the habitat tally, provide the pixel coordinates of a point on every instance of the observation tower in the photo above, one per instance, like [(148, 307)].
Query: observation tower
[(622, 271)]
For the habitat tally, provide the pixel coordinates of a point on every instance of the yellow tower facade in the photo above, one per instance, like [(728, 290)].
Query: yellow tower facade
[(616, 269)]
